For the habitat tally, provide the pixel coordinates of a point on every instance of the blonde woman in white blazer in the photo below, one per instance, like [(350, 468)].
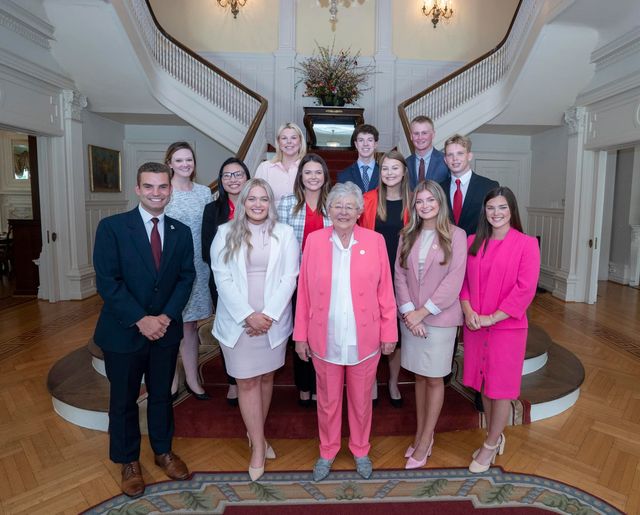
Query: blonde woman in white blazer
[(255, 264)]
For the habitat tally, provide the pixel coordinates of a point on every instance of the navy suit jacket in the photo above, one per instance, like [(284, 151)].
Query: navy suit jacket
[(130, 285), (352, 173), (437, 170), (479, 186)]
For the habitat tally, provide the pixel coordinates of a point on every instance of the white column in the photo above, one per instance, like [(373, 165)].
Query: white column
[(583, 170), (284, 76), (68, 191), (384, 98)]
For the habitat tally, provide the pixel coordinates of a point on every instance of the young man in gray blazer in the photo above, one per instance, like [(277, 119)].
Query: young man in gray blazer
[(426, 162)]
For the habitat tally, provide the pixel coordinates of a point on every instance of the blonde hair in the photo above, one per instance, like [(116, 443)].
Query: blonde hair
[(239, 231), (405, 191), (303, 144), (412, 230)]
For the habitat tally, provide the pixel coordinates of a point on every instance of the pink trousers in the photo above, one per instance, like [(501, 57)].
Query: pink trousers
[(330, 379)]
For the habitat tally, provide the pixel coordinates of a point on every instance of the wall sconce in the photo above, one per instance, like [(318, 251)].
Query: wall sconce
[(233, 4), (437, 12)]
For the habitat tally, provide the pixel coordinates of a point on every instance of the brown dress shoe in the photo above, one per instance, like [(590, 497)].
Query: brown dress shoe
[(132, 482), (172, 465)]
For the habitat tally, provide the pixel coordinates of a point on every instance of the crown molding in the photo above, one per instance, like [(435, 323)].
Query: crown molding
[(33, 70), (618, 49), (28, 25)]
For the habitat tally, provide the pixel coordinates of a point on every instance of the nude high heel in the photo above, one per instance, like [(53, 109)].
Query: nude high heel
[(269, 454), (477, 468), (412, 463)]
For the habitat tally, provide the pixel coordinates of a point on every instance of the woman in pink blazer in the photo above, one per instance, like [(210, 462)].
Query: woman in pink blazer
[(502, 275), (345, 317), (429, 271)]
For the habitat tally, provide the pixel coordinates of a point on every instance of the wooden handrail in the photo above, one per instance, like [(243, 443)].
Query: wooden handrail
[(406, 126), (257, 120)]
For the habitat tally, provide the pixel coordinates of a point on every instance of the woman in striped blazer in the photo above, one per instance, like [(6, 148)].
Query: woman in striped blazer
[(305, 210)]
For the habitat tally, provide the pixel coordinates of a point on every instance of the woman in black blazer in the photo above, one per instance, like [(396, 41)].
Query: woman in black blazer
[(231, 178)]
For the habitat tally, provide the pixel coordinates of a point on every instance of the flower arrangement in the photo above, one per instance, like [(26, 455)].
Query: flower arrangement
[(334, 79)]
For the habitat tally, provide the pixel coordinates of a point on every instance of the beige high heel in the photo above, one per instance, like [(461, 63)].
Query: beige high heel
[(477, 468), (256, 473), (269, 454)]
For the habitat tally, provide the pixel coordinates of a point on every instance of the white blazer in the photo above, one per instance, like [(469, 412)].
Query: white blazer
[(233, 293)]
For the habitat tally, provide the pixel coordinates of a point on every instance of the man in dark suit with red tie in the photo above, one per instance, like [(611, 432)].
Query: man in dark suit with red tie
[(144, 273), (465, 190), (426, 162)]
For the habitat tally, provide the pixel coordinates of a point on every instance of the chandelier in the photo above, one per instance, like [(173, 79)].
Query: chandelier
[(437, 11), (233, 4)]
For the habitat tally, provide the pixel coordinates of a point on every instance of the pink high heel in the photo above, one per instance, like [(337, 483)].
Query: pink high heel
[(409, 452), (412, 463)]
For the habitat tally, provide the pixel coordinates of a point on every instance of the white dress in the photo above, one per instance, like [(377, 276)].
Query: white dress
[(187, 207)]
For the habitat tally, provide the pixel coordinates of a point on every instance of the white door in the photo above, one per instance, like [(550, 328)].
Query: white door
[(599, 175)]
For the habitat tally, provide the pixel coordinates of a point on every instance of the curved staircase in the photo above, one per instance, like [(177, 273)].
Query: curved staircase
[(80, 390)]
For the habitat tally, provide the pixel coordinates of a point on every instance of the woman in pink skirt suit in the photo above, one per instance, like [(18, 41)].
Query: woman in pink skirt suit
[(502, 274)]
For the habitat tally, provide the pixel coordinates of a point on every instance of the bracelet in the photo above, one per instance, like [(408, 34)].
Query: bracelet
[(493, 322)]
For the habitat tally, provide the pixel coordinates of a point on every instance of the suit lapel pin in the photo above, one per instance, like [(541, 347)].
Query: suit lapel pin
[(435, 246), (172, 227), (362, 252)]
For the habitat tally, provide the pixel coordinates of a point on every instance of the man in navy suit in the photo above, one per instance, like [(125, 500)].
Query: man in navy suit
[(465, 192), (426, 162), (364, 173), (144, 274)]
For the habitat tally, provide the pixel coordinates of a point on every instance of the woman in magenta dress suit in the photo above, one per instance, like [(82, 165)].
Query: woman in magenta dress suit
[(502, 275)]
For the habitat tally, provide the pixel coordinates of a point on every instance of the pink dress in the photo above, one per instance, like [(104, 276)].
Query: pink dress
[(503, 277), (252, 355)]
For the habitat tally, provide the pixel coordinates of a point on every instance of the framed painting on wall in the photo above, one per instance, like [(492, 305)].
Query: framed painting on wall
[(105, 172)]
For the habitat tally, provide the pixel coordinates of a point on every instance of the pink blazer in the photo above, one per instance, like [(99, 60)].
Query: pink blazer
[(371, 291), (440, 283), (511, 283)]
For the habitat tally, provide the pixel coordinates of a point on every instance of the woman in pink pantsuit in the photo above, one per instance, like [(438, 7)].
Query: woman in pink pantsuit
[(502, 274), (345, 317)]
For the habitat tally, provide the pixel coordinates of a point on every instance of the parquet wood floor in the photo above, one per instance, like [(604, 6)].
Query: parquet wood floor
[(50, 466)]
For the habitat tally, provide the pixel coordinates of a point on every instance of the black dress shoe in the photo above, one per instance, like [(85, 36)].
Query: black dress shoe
[(396, 403), (305, 403), (232, 401), (477, 401), (199, 396)]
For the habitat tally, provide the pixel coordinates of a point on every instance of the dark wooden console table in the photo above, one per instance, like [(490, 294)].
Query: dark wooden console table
[(331, 127)]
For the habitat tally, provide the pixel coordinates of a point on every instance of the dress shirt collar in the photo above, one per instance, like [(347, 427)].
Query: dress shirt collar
[(426, 157), (146, 216), (464, 179)]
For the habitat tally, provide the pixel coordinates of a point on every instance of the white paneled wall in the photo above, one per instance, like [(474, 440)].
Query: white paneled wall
[(547, 225)]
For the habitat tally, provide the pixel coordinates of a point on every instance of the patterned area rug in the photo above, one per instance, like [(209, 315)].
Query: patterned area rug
[(388, 491)]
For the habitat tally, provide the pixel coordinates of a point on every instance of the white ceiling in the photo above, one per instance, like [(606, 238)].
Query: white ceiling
[(91, 45)]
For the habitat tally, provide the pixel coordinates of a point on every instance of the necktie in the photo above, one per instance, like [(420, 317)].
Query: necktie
[(156, 244), (457, 202), (365, 177), (421, 174)]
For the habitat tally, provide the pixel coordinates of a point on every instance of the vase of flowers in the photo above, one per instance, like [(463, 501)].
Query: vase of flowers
[(334, 78)]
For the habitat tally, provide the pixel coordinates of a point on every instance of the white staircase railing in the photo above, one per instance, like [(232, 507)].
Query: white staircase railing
[(213, 86), (457, 89)]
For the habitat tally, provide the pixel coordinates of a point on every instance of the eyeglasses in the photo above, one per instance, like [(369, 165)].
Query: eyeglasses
[(347, 208), (232, 175)]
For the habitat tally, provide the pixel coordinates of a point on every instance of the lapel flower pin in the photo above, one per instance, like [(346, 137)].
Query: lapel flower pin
[(362, 252)]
